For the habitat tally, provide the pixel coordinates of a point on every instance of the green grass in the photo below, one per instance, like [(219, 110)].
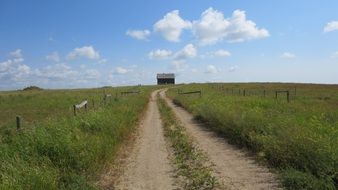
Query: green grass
[(54, 149), (36, 105), (299, 138), (190, 161)]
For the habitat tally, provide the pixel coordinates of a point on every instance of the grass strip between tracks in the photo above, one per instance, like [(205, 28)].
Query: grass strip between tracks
[(190, 162)]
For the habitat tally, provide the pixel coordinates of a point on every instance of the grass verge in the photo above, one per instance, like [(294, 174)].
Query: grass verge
[(67, 152), (299, 138), (189, 160)]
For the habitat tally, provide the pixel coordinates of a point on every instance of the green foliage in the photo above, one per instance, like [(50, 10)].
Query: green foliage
[(297, 180), (189, 159), (32, 88), (300, 136), (63, 151)]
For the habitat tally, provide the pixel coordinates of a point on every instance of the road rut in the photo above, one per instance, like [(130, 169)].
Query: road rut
[(148, 166), (233, 167)]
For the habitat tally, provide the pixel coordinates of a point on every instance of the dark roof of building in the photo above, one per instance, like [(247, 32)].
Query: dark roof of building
[(166, 76)]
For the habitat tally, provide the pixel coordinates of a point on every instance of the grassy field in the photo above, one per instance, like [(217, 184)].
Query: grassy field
[(54, 149), (299, 138)]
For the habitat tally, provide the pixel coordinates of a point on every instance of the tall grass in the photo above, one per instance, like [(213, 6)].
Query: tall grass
[(299, 138), (62, 151)]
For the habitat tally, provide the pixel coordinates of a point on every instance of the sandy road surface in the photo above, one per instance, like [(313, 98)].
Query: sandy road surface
[(148, 166), (233, 167)]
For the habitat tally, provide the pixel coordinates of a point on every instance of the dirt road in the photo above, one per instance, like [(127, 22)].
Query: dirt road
[(148, 166), (233, 167)]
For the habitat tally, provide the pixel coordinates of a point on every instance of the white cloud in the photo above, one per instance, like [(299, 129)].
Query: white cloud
[(211, 69), (242, 29), (85, 51), (92, 74), (171, 26), (53, 57), (178, 64), (189, 51), (24, 69), (16, 54), (57, 72), (160, 54), (288, 55), (121, 70), (233, 68), (13, 71), (138, 34), (334, 55), (15, 74), (213, 27), (222, 53), (103, 61), (331, 26)]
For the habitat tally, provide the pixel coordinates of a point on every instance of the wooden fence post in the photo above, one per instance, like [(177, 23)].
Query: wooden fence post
[(74, 107), (288, 96), (264, 93), (244, 92), (18, 122)]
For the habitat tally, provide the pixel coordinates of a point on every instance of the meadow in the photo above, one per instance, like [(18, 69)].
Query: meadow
[(298, 139), (55, 149)]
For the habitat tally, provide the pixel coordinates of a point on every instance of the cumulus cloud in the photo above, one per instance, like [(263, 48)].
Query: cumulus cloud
[(61, 74), (189, 51), (288, 55), (57, 72), (15, 74), (121, 70), (53, 57), (171, 26), (331, 26), (178, 59), (213, 27), (160, 54), (138, 34), (85, 52), (16, 54), (211, 69), (222, 53), (242, 29), (13, 70)]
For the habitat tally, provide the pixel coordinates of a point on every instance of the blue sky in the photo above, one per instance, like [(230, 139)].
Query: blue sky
[(74, 44)]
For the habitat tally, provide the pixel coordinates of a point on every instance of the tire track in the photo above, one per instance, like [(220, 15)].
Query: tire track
[(233, 167), (148, 166)]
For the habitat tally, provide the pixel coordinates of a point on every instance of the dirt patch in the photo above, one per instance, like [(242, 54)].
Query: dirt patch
[(148, 165)]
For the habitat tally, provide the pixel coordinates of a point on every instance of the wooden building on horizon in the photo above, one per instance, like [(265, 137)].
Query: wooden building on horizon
[(165, 78)]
